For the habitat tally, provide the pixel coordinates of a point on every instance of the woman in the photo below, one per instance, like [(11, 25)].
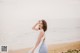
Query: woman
[(40, 44)]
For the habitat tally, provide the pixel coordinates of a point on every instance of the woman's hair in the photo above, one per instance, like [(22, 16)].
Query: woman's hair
[(44, 25)]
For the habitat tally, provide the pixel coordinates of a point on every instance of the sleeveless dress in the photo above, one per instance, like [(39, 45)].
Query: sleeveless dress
[(41, 48)]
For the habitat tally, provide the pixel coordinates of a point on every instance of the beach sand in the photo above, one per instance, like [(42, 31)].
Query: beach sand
[(54, 48)]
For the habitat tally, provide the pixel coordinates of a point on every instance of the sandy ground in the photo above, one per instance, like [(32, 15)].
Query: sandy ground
[(55, 48)]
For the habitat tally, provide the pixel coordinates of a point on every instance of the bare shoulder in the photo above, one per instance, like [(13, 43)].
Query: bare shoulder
[(42, 32)]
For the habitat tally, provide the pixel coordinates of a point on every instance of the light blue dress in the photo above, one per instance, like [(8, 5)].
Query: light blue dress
[(43, 48)]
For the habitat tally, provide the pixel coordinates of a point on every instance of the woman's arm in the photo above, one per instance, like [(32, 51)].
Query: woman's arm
[(34, 27), (39, 39)]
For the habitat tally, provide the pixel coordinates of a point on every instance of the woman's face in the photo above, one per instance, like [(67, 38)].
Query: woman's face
[(40, 24)]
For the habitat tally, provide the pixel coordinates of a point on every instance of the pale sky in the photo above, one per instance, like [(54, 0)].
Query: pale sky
[(18, 16)]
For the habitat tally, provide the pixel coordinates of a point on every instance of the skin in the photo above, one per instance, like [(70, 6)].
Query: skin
[(40, 35)]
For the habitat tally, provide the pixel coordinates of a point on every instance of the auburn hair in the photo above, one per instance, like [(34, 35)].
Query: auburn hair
[(44, 25)]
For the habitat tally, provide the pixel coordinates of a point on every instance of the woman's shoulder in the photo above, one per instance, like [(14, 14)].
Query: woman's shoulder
[(42, 31)]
